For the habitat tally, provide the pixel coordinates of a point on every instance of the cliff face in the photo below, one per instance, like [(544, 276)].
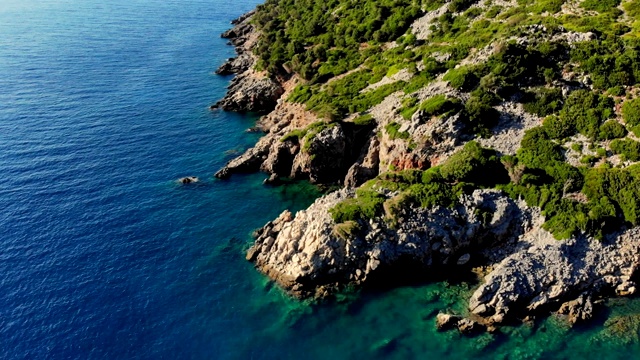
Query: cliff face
[(249, 91), (533, 119), (311, 255)]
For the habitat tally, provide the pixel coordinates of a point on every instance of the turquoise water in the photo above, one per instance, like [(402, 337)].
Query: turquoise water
[(103, 256)]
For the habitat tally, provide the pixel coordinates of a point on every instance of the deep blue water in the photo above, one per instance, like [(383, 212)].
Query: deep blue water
[(103, 105)]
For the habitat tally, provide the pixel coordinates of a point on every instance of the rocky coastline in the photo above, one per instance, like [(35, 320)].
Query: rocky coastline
[(525, 271)]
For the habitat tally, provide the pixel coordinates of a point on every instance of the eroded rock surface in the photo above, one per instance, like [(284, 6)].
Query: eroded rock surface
[(544, 272), (311, 255)]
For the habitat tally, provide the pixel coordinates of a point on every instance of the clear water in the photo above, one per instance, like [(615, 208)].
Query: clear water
[(103, 256)]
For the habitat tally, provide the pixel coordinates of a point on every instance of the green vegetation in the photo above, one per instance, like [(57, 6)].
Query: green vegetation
[(364, 120), (627, 148), (583, 112), (612, 130), (600, 5), (543, 101), (470, 168), (323, 39), (631, 112), (393, 129), (320, 40)]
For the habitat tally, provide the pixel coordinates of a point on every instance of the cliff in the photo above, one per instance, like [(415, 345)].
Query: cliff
[(476, 136)]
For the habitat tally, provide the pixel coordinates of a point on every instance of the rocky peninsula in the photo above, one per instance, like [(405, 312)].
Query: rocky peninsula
[(512, 155)]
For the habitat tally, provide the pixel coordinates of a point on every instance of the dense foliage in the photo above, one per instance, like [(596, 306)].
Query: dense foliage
[(581, 90), (468, 169), (323, 38)]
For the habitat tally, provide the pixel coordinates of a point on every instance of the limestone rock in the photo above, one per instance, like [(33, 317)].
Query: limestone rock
[(545, 272), (308, 253), (470, 327), (447, 321), (188, 180)]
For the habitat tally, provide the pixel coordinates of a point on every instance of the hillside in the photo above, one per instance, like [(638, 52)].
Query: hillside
[(500, 136)]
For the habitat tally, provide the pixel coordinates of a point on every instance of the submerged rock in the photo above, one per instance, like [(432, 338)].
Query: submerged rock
[(188, 180)]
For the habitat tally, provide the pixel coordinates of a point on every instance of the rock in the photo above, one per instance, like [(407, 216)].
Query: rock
[(556, 270), (626, 288), (308, 254), (243, 17), (580, 309), (462, 260), (366, 167), (236, 65), (323, 159), (251, 92), (470, 327), (188, 180), (273, 179), (446, 321)]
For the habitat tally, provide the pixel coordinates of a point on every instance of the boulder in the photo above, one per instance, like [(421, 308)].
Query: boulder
[(188, 180), (447, 321)]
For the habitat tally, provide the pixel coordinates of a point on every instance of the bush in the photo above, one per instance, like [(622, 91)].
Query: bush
[(600, 5), (366, 205), (631, 112), (586, 111), (537, 151), (460, 5), (629, 149), (544, 101), (439, 105), (612, 130), (474, 164), (478, 114), (364, 120), (463, 78)]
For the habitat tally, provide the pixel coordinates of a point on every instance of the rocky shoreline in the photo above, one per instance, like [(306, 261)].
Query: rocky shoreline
[(526, 271)]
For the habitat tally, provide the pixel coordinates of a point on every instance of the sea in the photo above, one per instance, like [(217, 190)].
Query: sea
[(103, 255)]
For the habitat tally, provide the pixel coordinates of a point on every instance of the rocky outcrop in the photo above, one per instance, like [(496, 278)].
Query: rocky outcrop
[(188, 180), (544, 274), (323, 159), (311, 255), (367, 165), (323, 156), (249, 91)]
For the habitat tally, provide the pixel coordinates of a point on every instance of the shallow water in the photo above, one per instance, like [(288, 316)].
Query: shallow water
[(102, 255)]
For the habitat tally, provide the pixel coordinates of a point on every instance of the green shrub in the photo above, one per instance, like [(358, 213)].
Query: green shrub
[(558, 127), (365, 120), (629, 149), (294, 135), (366, 205), (544, 101), (586, 111), (600, 5), (612, 130), (460, 5), (479, 115), (619, 186), (474, 164), (636, 130), (393, 129), (439, 105), (347, 229), (537, 150), (631, 112), (463, 78)]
